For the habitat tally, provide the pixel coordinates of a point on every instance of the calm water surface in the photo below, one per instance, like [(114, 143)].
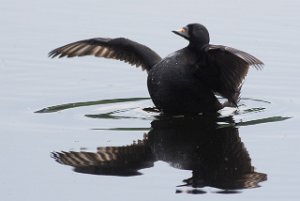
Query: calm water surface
[(252, 153)]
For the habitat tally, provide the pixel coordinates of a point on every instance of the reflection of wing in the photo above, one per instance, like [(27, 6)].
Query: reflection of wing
[(249, 180), (119, 48), (228, 69), (123, 161)]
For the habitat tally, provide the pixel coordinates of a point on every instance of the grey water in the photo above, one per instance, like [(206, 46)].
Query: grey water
[(85, 128)]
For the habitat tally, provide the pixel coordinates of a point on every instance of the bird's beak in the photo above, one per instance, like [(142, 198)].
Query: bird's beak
[(183, 32)]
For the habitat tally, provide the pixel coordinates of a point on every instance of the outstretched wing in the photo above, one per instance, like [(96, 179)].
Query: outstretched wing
[(229, 66), (119, 48)]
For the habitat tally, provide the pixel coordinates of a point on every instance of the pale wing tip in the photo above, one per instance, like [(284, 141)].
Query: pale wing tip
[(258, 65), (54, 53), (51, 54), (251, 60)]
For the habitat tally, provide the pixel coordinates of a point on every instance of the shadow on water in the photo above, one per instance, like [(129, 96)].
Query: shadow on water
[(208, 146)]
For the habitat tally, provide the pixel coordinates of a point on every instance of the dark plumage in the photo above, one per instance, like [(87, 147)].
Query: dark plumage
[(186, 81)]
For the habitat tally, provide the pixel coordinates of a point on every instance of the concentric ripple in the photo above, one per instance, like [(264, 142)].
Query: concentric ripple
[(250, 111)]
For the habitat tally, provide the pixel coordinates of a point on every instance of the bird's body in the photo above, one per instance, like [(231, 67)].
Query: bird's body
[(175, 89), (184, 82)]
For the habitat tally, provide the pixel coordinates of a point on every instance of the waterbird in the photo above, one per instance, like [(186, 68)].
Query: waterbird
[(186, 82)]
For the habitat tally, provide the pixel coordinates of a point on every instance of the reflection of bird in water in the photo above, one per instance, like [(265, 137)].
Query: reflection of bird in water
[(185, 82), (215, 154)]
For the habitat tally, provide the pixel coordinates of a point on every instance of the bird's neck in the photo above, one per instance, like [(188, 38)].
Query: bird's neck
[(200, 48)]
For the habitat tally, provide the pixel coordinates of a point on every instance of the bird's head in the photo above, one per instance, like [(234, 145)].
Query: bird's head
[(195, 33)]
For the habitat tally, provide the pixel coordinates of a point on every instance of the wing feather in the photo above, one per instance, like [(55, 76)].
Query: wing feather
[(119, 48), (228, 68)]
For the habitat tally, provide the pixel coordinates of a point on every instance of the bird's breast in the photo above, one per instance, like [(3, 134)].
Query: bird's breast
[(172, 76), (173, 85)]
